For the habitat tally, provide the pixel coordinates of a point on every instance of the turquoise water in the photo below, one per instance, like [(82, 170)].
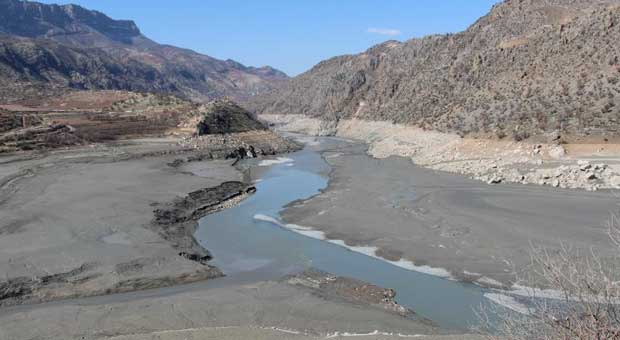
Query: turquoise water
[(244, 247)]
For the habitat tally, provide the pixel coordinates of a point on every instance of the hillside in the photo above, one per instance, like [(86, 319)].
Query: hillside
[(47, 47), (219, 128), (529, 67)]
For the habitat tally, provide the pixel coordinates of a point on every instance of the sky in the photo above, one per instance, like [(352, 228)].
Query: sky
[(290, 35)]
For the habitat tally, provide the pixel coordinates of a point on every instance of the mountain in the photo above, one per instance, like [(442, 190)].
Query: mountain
[(69, 46), (529, 67)]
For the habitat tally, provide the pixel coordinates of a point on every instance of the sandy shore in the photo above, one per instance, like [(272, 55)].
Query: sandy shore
[(476, 231)]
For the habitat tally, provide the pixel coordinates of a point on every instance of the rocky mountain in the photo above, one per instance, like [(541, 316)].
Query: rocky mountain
[(529, 67), (69, 46)]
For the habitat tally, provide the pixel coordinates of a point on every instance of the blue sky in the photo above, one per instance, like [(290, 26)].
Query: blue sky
[(291, 35)]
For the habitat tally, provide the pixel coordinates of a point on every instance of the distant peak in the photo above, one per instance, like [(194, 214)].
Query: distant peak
[(34, 19), (269, 71)]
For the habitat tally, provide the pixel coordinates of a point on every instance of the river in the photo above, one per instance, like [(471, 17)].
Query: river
[(245, 246)]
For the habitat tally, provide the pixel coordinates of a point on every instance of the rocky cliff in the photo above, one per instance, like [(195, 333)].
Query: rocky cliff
[(52, 46), (529, 67)]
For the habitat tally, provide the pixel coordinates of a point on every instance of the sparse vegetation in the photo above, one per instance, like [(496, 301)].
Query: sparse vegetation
[(49, 48), (586, 296), (529, 66)]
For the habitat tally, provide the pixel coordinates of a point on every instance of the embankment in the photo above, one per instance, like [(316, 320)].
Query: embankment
[(588, 166)]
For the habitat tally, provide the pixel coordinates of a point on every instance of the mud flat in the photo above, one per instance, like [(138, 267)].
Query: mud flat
[(89, 221), (97, 243), (242, 333), (440, 221), (309, 305)]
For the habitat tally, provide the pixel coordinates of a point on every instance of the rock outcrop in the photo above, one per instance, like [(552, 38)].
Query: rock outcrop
[(176, 221), (224, 116)]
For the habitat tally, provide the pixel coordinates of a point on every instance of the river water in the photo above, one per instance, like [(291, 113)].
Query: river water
[(250, 248)]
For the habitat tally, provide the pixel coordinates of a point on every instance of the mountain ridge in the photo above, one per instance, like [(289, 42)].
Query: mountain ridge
[(526, 68), (73, 47)]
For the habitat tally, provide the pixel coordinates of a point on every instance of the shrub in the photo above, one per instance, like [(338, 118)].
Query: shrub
[(587, 304)]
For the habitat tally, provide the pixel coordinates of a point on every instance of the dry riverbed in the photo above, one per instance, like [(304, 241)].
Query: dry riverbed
[(306, 306), (440, 221), (97, 243), (80, 222)]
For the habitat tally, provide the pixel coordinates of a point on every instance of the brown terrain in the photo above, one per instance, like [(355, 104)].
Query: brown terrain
[(84, 117), (46, 49)]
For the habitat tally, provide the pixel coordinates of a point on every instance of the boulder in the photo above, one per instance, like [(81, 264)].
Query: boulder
[(584, 165), (495, 180), (615, 181), (557, 152)]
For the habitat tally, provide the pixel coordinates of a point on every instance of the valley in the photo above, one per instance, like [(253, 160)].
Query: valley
[(451, 186)]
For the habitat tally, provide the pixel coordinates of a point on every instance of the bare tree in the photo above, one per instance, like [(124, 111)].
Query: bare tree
[(580, 300)]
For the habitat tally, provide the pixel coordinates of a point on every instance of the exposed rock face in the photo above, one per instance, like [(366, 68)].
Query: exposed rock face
[(176, 221), (68, 46), (224, 116), (249, 144), (31, 19), (200, 203), (227, 130), (526, 68)]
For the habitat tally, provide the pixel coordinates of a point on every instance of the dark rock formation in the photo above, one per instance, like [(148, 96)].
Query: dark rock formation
[(526, 68), (176, 221), (224, 116), (20, 289), (199, 203)]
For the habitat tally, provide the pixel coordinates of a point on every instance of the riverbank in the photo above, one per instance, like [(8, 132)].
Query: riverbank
[(117, 216), (305, 306), (78, 222), (98, 243), (242, 333), (442, 223), (589, 164)]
